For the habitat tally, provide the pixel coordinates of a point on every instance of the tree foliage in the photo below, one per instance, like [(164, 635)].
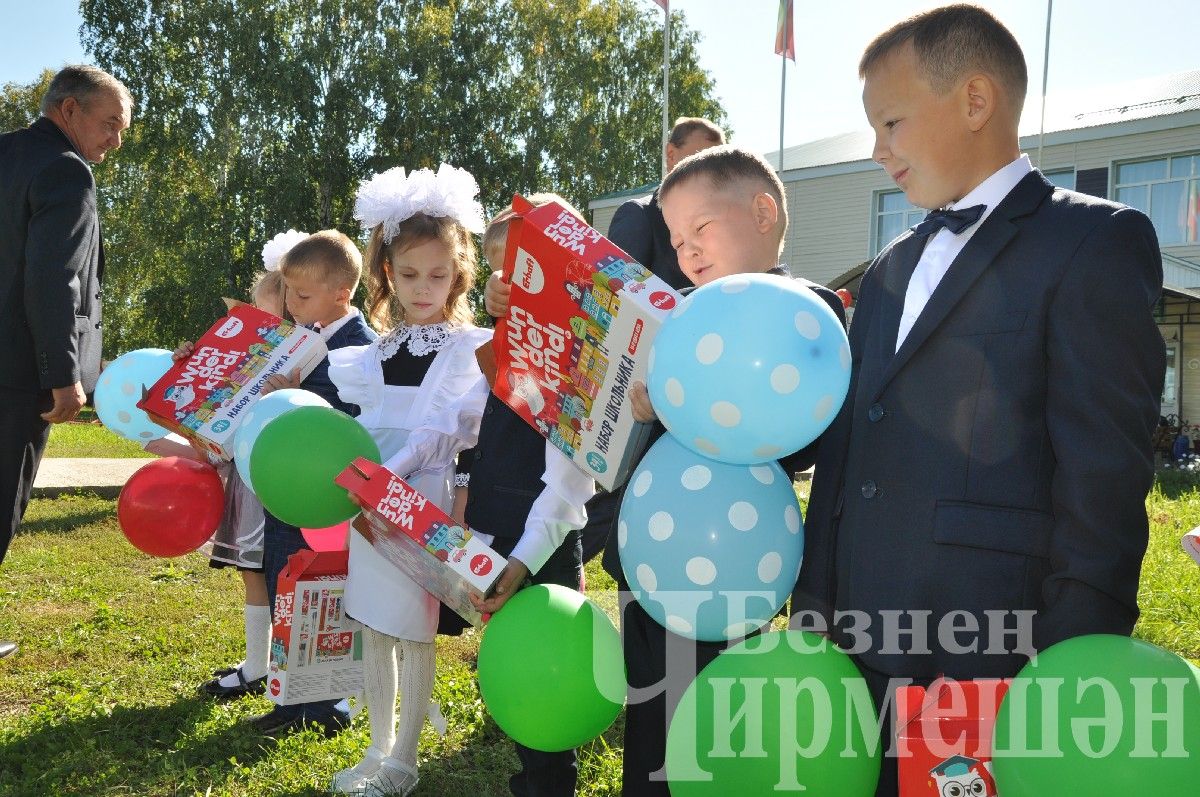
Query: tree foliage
[(262, 115)]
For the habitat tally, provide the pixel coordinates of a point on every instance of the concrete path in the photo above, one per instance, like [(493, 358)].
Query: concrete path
[(102, 476)]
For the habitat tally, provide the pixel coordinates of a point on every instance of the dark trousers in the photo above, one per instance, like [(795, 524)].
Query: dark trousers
[(602, 512), (660, 666), (279, 542), (882, 688), (23, 437), (548, 774)]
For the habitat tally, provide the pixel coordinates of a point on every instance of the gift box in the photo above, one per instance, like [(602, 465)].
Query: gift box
[(205, 396), (316, 649), (581, 317), (409, 530), (944, 737)]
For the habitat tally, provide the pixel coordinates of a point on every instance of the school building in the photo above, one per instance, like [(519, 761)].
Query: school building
[(1136, 142)]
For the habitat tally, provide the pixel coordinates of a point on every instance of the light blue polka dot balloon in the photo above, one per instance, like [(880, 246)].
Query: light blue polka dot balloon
[(749, 368), (710, 550), (262, 412), (119, 389)]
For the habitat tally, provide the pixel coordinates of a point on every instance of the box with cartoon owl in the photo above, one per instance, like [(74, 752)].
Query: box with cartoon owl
[(944, 737), (205, 396), (581, 319)]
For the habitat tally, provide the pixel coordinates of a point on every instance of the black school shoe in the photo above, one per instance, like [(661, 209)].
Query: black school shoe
[(281, 720), (215, 690)]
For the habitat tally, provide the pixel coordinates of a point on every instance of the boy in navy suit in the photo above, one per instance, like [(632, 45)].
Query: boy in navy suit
[(320, 274), (986, 478)]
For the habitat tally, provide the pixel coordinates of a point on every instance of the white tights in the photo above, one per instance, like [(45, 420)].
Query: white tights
[(384, 672)]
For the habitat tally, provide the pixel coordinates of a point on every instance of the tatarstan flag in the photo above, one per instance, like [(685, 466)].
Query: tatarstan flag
[(785, 38)]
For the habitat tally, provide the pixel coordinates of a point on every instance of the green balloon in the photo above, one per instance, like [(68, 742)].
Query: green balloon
[(551, 671), (296, 458), (1100, 715), (784, 712)]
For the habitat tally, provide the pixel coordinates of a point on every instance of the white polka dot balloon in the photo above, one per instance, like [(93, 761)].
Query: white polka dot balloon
[(710, 550), (749, 368), (119, 389)]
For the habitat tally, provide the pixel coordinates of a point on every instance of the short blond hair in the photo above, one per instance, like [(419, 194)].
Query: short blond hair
[(329, 256), (497, 229), (725, 166)]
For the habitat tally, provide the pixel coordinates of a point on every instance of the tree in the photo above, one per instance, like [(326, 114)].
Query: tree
[(263, 115), (19, 102)]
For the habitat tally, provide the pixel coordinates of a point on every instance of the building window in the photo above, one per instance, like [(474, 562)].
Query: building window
[(893, 215), (1063, 178), (1168, 191)]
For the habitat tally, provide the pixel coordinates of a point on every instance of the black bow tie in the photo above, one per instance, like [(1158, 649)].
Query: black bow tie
[(953, 220)]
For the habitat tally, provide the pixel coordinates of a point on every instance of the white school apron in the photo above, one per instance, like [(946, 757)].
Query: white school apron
[(379, 594)]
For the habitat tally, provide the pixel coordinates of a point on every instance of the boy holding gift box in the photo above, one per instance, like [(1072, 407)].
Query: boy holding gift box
[(727, 213), (320, 274)]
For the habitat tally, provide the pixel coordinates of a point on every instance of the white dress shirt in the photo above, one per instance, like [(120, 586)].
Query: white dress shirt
[(327, 332), (943, 247)]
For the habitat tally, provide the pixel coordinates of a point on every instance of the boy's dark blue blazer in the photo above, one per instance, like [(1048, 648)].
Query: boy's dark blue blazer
[(354, 332), (998, 462)]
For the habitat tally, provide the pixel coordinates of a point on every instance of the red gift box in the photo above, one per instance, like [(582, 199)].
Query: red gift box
[(582, 315), (205, 396), (411, 532), (944, 738), (316, 649)]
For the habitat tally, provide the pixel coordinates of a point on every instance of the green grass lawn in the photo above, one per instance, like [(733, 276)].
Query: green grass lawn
[(101, 699), (89, 439)]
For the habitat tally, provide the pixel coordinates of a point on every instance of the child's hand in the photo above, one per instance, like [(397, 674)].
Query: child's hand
[(511, 578), (280, 382), (183, 351), (639, 402), (495, 296)]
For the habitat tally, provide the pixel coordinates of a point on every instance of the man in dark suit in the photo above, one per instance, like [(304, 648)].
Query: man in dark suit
[(980, 495), (638, 226), (51, 265)]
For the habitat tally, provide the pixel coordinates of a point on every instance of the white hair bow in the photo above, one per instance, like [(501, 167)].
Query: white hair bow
[(280, 245), (391, 197)]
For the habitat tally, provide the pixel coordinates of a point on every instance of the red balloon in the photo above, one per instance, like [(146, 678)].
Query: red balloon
[(846, 296), (171, 506)]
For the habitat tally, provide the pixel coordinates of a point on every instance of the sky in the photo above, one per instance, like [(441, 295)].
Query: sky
[(1093, 43)]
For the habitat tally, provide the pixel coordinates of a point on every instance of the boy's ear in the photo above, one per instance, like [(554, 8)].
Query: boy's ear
[(766, 211), (981, 96)]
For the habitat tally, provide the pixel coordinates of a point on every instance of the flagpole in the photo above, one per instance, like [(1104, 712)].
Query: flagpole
[(782, 103), (1045, 76), (666, 122)]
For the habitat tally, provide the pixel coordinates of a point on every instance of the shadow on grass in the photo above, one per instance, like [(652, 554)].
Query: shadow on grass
[(1176, 483), (129, 750), (64, 524)]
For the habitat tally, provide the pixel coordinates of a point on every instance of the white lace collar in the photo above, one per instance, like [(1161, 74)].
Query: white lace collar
[(421, 339)]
